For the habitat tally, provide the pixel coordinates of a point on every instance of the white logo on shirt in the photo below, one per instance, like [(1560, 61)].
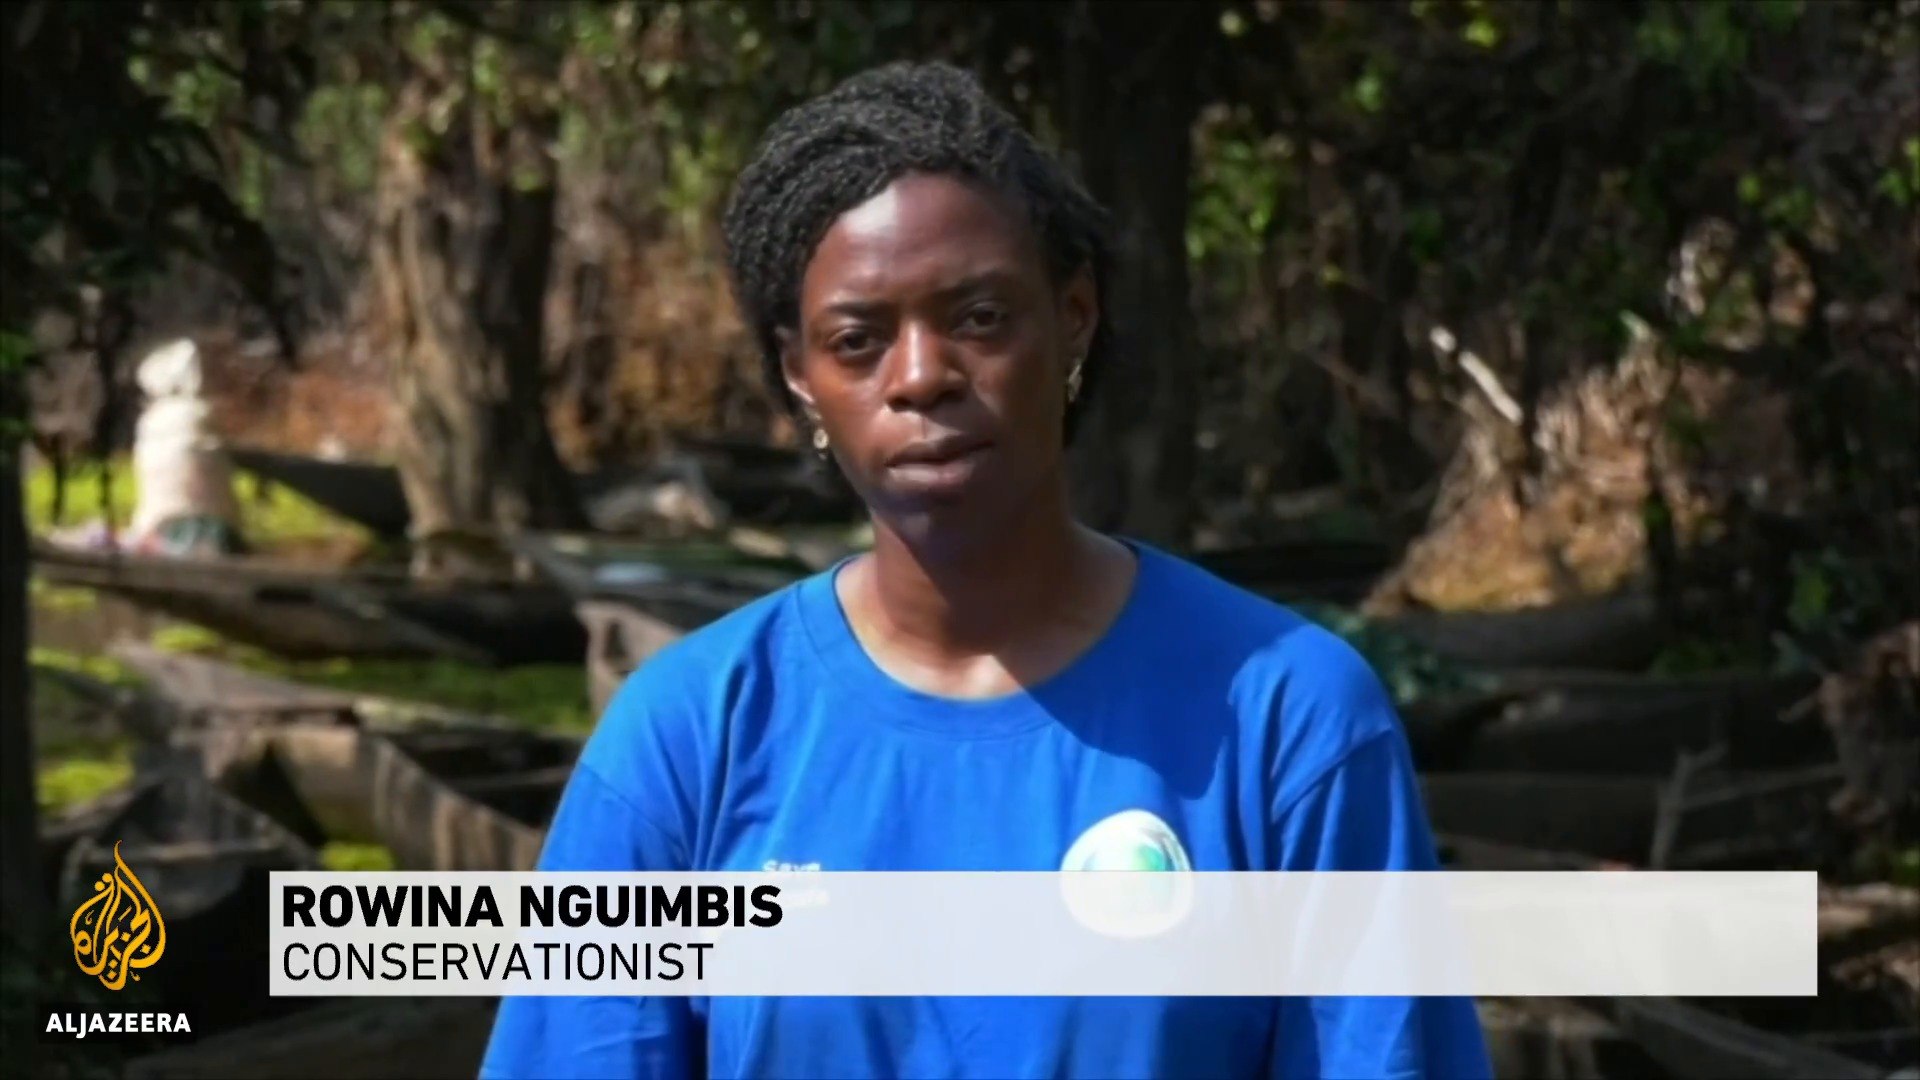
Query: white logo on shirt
[(1134, 841)]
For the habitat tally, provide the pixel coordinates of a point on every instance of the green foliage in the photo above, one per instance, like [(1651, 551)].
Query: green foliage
[(1905, 868), (1369, 92), (271, 514), (1410, 670), (345, 855), (1482, 31), (88, 482), (65, 782), (1703, 655), (1237, 181), (1837, 599), (547, 697), (48, 597), (341, 126), (1900, 183), (93, 665), (543, 697)]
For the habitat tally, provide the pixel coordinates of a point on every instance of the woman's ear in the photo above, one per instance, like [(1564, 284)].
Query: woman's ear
[(788, 343), (1080, 311)]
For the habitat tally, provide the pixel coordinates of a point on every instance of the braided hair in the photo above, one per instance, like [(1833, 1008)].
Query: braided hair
[(829, 155)]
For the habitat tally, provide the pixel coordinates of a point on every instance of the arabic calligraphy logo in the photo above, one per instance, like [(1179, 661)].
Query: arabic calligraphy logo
[(118, 930)]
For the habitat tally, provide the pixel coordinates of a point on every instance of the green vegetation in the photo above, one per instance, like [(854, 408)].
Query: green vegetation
[(270, 515), (62, 782), (1906, 867), (48, 597), (344, 855), (93, 665), (77, 757), (542, 697), (1409, 670)]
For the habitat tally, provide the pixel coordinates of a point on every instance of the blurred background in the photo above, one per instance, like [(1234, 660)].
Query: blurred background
[(373, 402)]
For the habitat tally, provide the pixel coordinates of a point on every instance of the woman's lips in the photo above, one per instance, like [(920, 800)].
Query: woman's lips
[(939, 467)]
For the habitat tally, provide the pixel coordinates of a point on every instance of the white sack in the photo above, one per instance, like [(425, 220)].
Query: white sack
[(179, 467)]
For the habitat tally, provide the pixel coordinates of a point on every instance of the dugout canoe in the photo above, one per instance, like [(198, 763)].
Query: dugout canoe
[(366, 493), (1708, 820), (1323, 571), (1621, 632), (730, 483), (364, 1039), (1694, 1043), (304, 612), (1589, 722), (438, 798), (442, 790), (635, 599)]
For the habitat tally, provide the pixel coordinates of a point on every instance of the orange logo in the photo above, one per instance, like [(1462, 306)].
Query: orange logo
[(118, 930)]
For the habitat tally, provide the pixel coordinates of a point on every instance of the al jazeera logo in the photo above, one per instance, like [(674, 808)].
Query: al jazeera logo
[(117, 933)]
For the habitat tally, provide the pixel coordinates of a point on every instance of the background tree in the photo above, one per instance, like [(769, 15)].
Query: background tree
[(100, 188), (1487, 279), (462, 247)]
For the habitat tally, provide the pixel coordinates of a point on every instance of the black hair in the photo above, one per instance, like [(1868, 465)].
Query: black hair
[(829, 155)]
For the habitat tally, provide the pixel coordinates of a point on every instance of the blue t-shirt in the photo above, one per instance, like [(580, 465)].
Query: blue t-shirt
[(770, 740)]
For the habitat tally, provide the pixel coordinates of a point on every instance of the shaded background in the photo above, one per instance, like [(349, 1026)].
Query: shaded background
[(1544, 301)]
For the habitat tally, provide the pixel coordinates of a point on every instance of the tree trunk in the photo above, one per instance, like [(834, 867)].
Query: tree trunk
[(461, 253), (1130, 100), (19, 831)]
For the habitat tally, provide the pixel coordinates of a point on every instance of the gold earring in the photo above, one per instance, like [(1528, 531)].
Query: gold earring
[(1073, 379)]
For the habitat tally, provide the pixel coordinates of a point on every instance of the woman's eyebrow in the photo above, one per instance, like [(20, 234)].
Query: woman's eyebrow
[(855, 307), (979, 281)]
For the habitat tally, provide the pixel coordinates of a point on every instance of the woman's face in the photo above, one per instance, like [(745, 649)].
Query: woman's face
[(934, 350)]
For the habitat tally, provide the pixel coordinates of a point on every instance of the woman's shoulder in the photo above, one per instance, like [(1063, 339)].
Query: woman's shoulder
[(753, 635), (666, 722), (1221, 616), (1284, 668)]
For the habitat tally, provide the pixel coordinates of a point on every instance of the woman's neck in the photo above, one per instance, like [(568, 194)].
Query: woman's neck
[(1014, 596)]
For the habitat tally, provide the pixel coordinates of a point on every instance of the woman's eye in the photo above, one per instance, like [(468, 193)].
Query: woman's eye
[(984, 318), (851, 342)]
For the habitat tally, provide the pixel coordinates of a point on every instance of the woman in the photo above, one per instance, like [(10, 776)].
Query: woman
[(993, 687)]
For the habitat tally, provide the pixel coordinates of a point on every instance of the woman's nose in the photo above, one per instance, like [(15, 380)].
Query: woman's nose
[(921, 371)]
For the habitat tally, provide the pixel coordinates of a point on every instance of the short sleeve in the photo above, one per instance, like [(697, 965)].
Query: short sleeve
[(1365, 814), (598, 827)]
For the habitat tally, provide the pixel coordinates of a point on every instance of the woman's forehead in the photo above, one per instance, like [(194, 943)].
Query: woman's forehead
[(920, 233)]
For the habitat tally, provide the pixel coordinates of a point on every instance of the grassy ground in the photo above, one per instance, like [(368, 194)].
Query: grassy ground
[(78, 755), (77, 763), (78, 760), (271, 516)]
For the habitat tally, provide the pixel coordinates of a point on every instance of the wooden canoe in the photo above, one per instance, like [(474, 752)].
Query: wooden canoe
[(1323, 571), (362, 1039), (366, 493), (302, 612), (1610, 633), (451, 799), (1558, 1039), (1583, 722), (634, 600), (764, 485), (1693, 1043), (1719, 821), (442, 790), (1602, 817)]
